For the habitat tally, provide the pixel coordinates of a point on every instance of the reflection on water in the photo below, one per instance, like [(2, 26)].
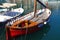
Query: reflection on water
[(2, 33), (33, 36), (36, 35)]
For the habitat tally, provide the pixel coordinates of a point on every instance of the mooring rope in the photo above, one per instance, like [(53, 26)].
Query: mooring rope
[(26, 33), (26, 29), (21, 33)]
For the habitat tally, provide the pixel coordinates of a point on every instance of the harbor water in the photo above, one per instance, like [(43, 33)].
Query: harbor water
[(50, 31)]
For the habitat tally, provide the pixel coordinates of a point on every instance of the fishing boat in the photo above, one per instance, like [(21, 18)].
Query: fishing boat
[(29, 23)]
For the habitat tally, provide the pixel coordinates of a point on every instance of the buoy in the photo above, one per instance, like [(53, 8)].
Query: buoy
[(45, 22)]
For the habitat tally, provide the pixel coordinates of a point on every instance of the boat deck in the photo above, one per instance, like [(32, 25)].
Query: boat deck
[(41, 18)]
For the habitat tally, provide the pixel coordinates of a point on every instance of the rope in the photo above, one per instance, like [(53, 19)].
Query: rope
[(26, 33), (26, 29), (21, 33)]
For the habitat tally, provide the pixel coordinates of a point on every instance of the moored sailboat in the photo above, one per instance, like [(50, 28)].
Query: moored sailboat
[(28, 23)]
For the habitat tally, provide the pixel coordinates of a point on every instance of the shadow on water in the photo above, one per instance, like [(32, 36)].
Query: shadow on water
[(38, 35)]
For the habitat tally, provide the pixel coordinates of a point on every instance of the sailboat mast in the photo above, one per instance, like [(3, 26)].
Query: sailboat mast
[(35, 7), (14, 1)]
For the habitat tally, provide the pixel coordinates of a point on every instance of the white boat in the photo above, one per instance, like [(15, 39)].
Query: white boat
[(3, 10), (20, 10), (6, 14), (7, 5)]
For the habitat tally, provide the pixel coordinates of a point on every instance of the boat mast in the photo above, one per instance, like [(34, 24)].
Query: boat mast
[(14, 1), (35, 7)]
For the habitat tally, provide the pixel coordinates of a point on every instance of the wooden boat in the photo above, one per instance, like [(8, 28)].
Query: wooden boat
[(19, 27), (28, 23)]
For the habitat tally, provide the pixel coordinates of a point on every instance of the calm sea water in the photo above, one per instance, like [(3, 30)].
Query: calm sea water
[(51, 31)]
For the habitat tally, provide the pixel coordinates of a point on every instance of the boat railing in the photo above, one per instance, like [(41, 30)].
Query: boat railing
[(10, 21)]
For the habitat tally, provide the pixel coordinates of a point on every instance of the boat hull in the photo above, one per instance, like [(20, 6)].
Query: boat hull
[(17, 32)]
